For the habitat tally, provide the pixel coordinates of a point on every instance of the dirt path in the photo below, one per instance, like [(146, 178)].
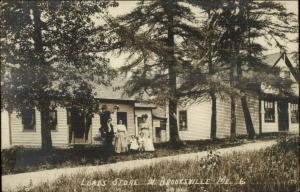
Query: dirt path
[(12, 182)]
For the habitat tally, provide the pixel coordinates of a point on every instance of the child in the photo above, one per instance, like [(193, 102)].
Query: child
[(133, 143), (141, 142)]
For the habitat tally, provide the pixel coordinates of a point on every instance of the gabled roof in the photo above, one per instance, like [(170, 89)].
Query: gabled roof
[(272, 60), (114, 91), (159, 112)]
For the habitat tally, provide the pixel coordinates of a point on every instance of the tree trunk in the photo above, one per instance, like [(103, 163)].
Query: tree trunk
[(247, 114), (232, 101), (40, 59), (248, 119), (232, 118), (213, 121), (174, 134), (45, 128)]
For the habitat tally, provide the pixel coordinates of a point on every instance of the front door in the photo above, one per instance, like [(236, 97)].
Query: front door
[(158, 134), (283, 116), (77, 124)]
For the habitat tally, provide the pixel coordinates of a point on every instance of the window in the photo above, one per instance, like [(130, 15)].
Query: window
[(286, 74), (53, 119), (163, 124), (28, 119), (269, 111), (294, 113), (182, 120)]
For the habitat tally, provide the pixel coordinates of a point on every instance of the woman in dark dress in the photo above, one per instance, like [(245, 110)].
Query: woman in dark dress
[(110, 131)]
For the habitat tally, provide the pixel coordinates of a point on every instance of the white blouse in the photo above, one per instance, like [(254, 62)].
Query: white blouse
[(145, 125), (121, 128)]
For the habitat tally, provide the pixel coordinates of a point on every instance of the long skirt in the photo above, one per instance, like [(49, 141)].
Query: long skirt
[(121, 143), (148, 140)]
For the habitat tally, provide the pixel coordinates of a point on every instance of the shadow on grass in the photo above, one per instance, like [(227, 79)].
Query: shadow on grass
[(19, 159)]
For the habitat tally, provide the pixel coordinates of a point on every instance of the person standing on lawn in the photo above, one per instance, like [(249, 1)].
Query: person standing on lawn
[(141, 142), (134, 146), (109, 135), (121, 141), (145, 128)]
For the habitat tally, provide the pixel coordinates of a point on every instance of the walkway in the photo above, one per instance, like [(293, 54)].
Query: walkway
[(11, 182)]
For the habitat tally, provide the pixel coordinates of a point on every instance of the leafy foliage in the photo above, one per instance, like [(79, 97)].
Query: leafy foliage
[(63, 60)]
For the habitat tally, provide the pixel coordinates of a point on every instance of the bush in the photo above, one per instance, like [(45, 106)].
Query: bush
[(288, 143), (9, 159)]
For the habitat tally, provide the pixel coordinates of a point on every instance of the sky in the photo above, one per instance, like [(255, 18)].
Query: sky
[(126, 6)]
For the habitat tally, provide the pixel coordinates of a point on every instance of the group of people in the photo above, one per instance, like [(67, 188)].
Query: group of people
[(141, 143), (118, 139)]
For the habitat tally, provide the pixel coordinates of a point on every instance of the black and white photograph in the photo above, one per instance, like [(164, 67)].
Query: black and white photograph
[(150, 95)]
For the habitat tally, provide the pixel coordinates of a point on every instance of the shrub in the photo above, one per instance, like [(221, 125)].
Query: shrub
[(9, 158)]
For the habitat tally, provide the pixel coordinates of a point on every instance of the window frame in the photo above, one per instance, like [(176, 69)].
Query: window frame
[(34, 120), (181, 128), (56, 120), (287, 74), (163, 124), (293, 110), (271, 110)]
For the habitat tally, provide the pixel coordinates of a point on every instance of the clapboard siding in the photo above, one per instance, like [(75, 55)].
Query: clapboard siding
[(253, 105), (26, 138), (95, 128), (5, 135), (198, 121), (163, 136), (61, 135), (223, 118), (167, 122), (128, 108), (33, 138), (240, 119)]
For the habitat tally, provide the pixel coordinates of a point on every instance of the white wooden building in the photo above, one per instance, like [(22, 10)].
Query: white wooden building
[(69, 125), (269, 113)]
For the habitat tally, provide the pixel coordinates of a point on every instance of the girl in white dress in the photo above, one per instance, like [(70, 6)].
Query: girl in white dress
[(134, 143), (141, 141)]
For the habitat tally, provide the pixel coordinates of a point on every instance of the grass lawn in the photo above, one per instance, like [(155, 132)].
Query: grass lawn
[(273, 169), (19, 159)]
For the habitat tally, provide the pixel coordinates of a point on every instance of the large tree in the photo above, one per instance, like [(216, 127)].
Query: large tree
[(243, 22), (50, 52), (154, 34), (230, 58)]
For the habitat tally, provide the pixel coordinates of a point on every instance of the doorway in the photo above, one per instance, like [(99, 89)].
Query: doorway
[(122, 116), (283, 115), (79, 124), (158, 134)]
